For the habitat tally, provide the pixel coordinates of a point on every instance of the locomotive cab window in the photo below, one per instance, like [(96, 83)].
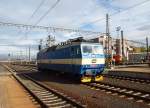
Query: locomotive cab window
[(92, 49), (87, 49), (97, 50)]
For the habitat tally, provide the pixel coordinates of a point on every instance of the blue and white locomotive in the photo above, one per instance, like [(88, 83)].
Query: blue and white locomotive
[(83, 59)]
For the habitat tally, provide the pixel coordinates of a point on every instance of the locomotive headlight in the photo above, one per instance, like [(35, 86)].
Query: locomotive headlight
[(94, 60)]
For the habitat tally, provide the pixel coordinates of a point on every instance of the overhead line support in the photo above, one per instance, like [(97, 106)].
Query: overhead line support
[(47, 28)]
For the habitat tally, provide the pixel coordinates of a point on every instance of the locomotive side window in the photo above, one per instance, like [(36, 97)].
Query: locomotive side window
[(75, 51), (78, 51), (72, 51)]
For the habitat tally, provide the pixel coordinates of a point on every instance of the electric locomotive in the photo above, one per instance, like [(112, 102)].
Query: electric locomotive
[(78, 57)]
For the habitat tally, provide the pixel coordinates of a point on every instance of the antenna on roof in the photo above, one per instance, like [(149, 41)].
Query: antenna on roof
[(50, 41)]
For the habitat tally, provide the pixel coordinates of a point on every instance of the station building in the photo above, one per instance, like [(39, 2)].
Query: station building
[(115, 47)]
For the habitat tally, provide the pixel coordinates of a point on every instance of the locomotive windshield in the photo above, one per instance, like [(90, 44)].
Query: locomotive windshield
[(92, 49), (87, 49)]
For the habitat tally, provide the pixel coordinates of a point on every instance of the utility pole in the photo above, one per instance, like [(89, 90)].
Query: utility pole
[(29, 53), (108, 63), (118, 31), (26, 55), (20, 56), (147, 56), (122, 42), (40, 45), (118, 44), (9, 59)]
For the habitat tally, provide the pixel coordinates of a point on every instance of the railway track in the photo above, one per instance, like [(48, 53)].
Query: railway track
[(26, 67), (137, 95), (130, 93), (44, 96), (137, 80)]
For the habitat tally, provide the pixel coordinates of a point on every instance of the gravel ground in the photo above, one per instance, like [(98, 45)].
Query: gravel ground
[(129, 84), (92, 98)]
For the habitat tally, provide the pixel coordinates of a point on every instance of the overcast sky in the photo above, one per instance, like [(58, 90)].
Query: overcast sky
[(132, 15)]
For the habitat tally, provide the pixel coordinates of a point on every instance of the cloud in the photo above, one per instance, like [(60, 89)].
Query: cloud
[(144, 28), (72, 14)]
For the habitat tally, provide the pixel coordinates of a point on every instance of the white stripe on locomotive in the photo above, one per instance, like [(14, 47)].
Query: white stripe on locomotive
[(72, 61)]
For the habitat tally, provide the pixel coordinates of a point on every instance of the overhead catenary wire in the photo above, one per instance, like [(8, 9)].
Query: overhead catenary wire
[(133, 6), (46, 28), (32, 15), (43, 16), (55, 29), (36, 10), (17, 45), (47, 12)]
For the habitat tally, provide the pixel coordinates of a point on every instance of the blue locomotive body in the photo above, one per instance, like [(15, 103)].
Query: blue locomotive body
[(85, 60)]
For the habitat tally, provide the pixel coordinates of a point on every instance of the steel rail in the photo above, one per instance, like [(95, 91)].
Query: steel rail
[(46, 97), (139, 80), (128, 92)]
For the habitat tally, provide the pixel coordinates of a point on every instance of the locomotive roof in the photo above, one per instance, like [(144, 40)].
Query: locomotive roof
[(53, 48)]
